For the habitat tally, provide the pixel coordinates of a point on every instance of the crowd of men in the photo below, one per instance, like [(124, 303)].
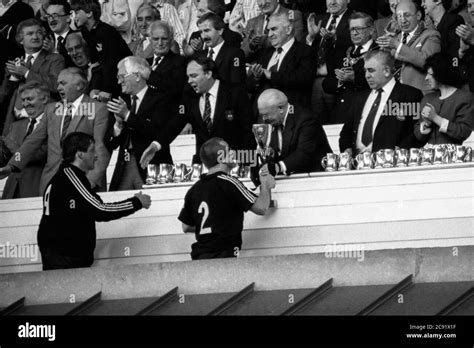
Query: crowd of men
[(83, 78), (214, 68)]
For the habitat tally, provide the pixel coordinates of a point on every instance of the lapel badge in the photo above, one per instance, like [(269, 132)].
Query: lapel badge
[(229, 115), (99, 47)]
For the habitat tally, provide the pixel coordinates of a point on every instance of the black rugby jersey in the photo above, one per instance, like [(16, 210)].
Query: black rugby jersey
[(215, 205)]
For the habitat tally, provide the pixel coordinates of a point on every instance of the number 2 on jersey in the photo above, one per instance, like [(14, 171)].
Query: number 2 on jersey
[(204, 208)]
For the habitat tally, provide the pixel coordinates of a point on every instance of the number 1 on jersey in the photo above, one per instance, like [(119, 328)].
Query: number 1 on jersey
[(204, 208)]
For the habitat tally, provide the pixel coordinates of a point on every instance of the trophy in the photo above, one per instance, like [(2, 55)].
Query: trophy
[(401, 157), (181, 173), (363, 161), (383, 159), (265, 153), (329, 163), (441, 154), (415, 157), (462, 154), (344, 162), (235, 171), (427, 156), (165, 174), (151, 175), (196, 172)]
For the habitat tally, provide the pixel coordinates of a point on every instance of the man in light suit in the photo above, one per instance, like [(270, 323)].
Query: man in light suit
[(37, 64), (298, 140), (35, 96), (76, 113), (256, 30), (136, 124), (383, 117), (412, 46)]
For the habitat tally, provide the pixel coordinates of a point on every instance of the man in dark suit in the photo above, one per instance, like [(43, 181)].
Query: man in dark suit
[(106, 44), (58, 15), (256, 30), (213, 110), (349, 78), (298, 140), (466, 49), (330, 37), (35, 96), (168, 70), (230, 61), (288, 65), (136, 124), (383, 117), (37, 64)]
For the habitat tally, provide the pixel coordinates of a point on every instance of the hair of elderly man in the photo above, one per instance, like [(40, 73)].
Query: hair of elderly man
[(40, 88), (159, 24), (78, 76), (137, 65), (156, 14), (369, 21), (78, 36), (215, 20), (31, 22), (383, 57), (273, 97)]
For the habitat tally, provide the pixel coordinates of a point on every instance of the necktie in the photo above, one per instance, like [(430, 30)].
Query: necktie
[(133, 106), (369, 122), (156, 62), (31, 127), (211, 54), (357, 51), (60, 46), (332, 25), (66, 122), (274, 67), (265, 25), (275, 139), (28, 63), (405, 38), (207, 113)]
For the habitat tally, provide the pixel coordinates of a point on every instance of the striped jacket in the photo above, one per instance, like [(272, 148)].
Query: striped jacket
[(70, 210)]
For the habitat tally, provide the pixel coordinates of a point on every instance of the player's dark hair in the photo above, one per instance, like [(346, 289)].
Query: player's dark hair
[(215, 20), (207, 64), (211, 150), (87, 6), (73, 143)]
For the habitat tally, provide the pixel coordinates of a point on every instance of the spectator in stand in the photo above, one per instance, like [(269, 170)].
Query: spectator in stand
[(388, 24), (330, 37), (412, 46), (447, 115), (466, 49), (446, 23), (187, 12), (11, 14), (141, 47), (460, 7), (195, 43), (349, 78), (34, 96), (106, 45), (37, 64), (243, 11), (256, 31)]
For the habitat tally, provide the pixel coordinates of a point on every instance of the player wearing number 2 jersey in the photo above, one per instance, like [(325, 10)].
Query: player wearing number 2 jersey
[(214, 207), (66, 235)]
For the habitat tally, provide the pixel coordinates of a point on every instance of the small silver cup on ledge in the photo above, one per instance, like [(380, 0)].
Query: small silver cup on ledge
[(401, 157), (363, 161), (415, 157), (329, 163), (166, 173), (427, 156), (151, 174), (344, 162)]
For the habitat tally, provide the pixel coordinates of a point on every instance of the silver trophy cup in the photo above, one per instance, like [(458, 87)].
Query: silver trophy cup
[(166, 173), (263, 136), (329, 163), (363, 161), (151, 174), (401, 157), (344, 162)]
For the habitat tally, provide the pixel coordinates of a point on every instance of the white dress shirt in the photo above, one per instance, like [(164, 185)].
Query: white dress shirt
[(216, 50), (278, 57), (387, 90), (74, 108)]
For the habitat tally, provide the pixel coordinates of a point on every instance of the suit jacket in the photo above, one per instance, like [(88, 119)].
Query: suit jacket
[(27, 182), (62, 49), (45, 69), (229, 36), (107, 47), (230, 64), (232, 120), (391, 131), (414, 55), (294, 77), (151, 117), (447, 28), (169, 78), (346, 92), (94, 121), (337, 49), (304, 142), (255, 25)]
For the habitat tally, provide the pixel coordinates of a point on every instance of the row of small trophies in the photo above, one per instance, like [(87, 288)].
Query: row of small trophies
[(398, 158)]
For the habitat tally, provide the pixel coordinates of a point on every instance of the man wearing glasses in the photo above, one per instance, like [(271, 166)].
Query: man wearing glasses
[(350, 77), (59, 20), (412, 46)]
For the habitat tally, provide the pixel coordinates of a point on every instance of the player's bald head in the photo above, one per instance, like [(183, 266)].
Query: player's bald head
[(211, 150)]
